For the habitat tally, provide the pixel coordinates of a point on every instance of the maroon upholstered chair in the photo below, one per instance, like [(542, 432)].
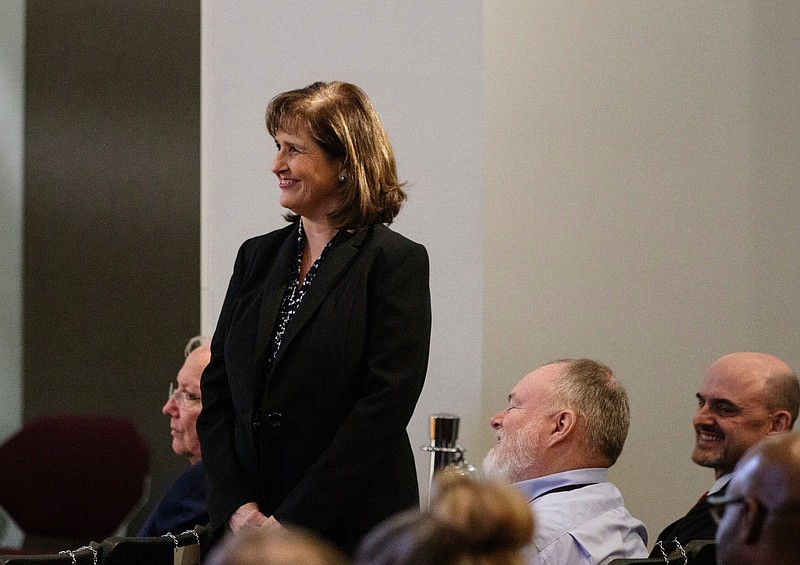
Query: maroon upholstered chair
[(74, 478)]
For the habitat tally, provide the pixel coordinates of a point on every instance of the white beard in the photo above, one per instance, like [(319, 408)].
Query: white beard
[(511, 457)]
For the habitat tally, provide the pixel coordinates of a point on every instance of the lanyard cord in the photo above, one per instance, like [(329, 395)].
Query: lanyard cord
[(561, 489)]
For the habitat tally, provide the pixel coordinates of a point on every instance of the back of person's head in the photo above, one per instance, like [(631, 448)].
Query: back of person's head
[(760, 520), (494, 515), (340, 119), (284, 546), (412, 538), (469, 523), (600, 402)]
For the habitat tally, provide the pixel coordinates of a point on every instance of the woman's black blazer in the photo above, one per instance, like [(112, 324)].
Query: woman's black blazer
[(325, 446)]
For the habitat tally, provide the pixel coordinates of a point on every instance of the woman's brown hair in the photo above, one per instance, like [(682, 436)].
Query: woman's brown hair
[(342, 121)]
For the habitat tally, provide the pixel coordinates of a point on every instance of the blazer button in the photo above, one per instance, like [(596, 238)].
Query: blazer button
[(274, 419)]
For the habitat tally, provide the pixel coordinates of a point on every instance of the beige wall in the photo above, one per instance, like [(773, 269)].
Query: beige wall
[(640, 199)]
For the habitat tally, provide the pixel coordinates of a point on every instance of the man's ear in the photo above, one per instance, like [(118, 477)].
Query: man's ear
[(561, 425), (753, 521), (781, 422)]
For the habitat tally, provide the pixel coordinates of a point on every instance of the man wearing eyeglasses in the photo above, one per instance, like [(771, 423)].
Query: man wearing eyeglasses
[(183, 506), (759, 517), (744, 398)]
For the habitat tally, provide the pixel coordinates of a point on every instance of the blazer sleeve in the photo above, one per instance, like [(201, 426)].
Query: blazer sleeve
[(229, 485), (396, 349)]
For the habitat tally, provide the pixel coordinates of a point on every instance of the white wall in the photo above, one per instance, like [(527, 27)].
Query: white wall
[(12, 102), (641, 202), (420, 63)]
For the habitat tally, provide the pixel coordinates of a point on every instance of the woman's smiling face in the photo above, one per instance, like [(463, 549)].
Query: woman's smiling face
[(308, 177)]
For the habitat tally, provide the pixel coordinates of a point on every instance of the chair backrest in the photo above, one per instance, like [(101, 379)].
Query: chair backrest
[(88, 555), (671, 560), (171, 549), (206, 535), (702, 552), (698, 552), (73, 476)]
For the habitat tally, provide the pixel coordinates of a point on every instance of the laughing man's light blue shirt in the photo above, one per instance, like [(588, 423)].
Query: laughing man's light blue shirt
[(589, 524)]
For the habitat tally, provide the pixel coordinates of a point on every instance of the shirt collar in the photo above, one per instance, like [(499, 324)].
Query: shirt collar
[(532, 488), (720, 483)]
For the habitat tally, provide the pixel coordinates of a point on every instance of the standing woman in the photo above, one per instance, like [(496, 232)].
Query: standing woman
[(321, 348)]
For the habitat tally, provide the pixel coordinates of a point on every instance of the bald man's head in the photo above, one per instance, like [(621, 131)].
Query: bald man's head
[(744, 397), (761, 519)]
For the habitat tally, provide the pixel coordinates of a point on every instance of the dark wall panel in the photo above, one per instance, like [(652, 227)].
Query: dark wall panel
[(112, 208)]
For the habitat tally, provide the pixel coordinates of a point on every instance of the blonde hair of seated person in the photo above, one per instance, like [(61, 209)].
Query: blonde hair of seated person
[(283, 546), (469, 523)]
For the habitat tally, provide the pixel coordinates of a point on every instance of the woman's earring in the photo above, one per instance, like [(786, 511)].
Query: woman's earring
[(342, 178)]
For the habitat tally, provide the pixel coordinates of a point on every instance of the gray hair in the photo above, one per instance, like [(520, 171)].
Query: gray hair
[(194, 343), (590, 388)]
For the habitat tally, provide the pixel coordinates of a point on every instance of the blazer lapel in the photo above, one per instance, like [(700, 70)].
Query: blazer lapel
[(272, 296), (330, 270)]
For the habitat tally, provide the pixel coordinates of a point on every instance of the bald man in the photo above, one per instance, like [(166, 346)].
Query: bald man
[(760, 513), (744, 398)]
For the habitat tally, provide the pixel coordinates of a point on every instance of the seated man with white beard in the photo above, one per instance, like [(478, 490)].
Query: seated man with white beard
[(564, 426)]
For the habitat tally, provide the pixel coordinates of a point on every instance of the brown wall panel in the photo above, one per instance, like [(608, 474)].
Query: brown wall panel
[(112, 208)]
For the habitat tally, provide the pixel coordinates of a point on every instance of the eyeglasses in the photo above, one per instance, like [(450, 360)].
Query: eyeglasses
[(717, 504), (182, 398)]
